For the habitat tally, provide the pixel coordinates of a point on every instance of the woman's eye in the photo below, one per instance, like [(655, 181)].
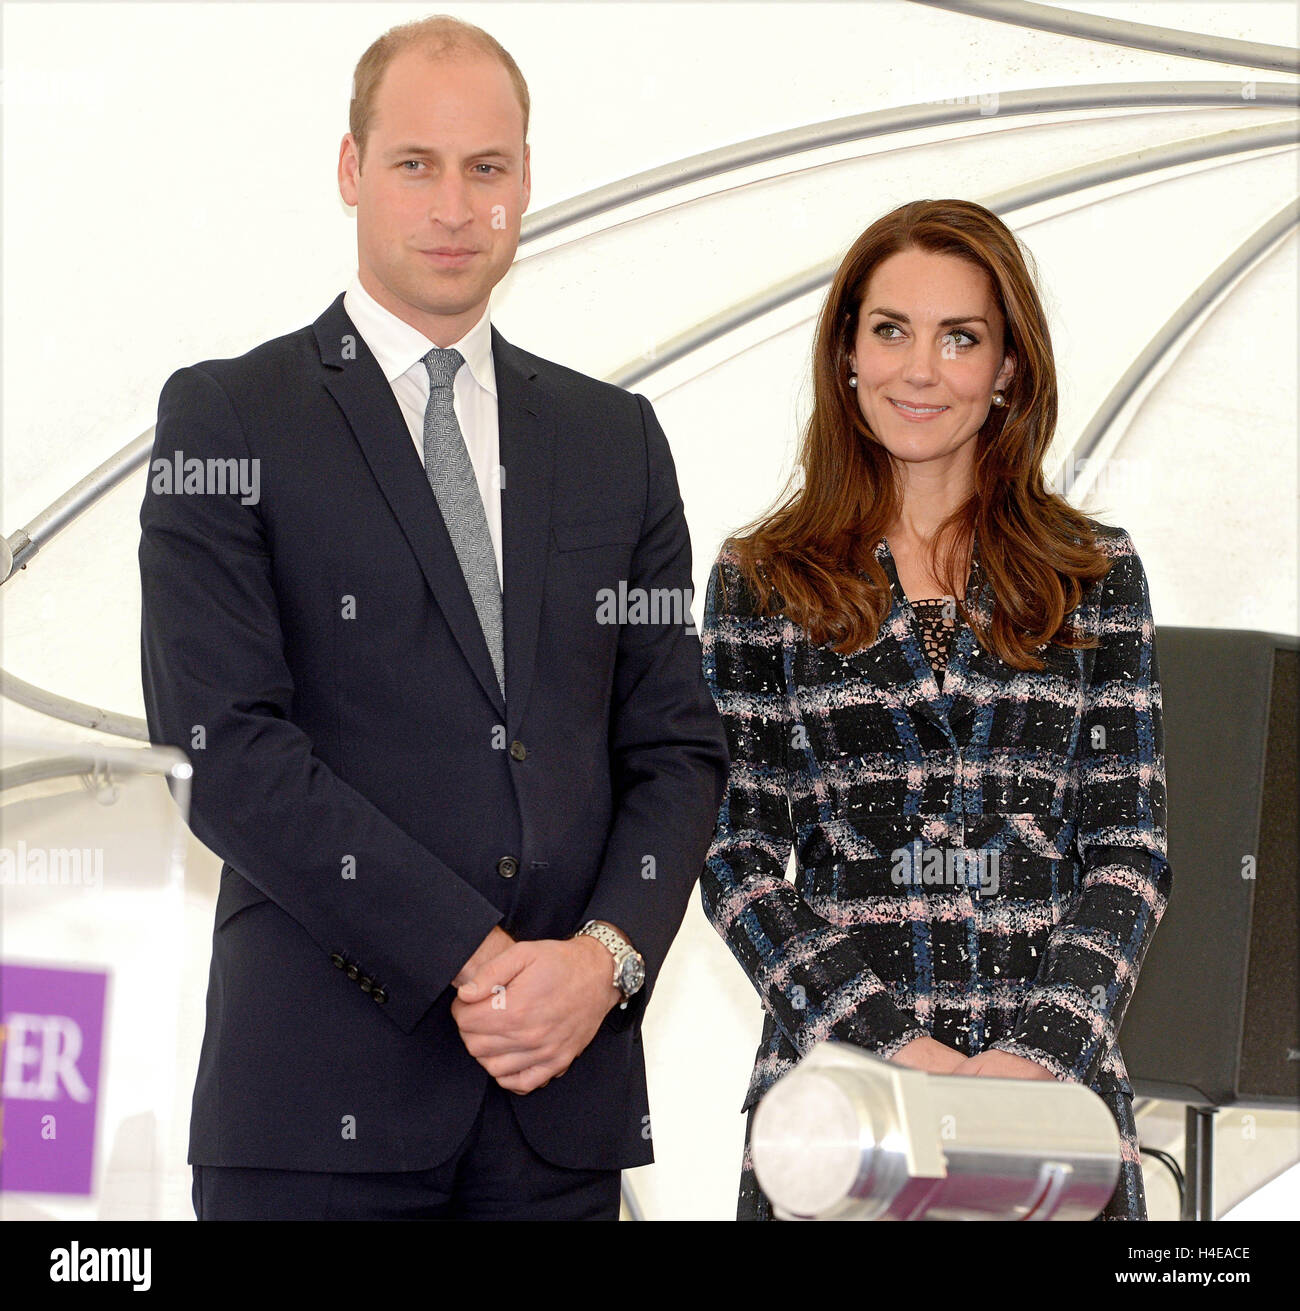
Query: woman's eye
[(967, 339)]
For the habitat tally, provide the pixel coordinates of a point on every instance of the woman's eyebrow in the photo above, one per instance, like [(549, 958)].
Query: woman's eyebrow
[(943, 323)]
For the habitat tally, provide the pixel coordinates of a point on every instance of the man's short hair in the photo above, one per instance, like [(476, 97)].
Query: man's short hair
[(439, 36)]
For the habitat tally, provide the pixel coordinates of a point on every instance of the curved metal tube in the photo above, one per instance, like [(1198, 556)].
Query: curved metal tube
[(1255, 248), (884, 122), (73, 712), (92, 760), (1054, 185), (27, 541), (1121, 32), (24, 543), (79, 497)]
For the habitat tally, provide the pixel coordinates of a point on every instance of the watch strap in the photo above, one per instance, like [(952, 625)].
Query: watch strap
[(617, 946)]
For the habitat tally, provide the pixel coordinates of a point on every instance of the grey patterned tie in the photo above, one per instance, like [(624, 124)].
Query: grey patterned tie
[(451, 475)]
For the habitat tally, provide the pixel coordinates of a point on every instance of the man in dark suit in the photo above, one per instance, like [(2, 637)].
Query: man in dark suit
[(461, 801)]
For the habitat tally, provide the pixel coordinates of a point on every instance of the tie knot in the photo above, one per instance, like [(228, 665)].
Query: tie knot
[(443, 363)]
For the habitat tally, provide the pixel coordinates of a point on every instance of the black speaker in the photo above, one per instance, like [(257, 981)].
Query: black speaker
[(1213, 1020)]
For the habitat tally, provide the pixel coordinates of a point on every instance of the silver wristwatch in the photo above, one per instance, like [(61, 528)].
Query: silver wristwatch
[(629, 965)]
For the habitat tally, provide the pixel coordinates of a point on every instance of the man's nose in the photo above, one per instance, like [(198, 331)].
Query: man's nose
[(451, 205)]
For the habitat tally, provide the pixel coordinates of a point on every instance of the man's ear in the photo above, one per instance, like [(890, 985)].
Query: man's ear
[(349, 169)]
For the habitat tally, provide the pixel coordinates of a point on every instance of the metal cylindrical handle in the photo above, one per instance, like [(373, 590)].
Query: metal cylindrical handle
[(846, 1135)]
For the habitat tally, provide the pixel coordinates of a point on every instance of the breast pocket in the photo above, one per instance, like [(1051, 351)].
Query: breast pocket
[(588, 598)]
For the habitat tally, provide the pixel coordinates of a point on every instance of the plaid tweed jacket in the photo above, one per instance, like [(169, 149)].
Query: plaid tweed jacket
[(985, 864)]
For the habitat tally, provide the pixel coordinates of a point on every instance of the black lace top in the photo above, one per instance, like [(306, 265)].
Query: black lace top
[(936, 632)]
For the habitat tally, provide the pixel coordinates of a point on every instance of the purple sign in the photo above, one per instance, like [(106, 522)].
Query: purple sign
[(51, 1033)]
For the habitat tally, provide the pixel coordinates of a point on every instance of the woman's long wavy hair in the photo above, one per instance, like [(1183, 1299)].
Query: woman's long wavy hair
[(813, 556)]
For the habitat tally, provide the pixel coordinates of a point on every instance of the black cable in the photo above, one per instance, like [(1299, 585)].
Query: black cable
[(1174, 1168)]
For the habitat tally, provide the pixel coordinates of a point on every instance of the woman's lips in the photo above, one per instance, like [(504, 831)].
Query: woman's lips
[(918, 415)]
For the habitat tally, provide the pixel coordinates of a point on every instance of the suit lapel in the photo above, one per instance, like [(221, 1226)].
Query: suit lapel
[(897, 659), (527, 431), (969, 658), (356, 382)]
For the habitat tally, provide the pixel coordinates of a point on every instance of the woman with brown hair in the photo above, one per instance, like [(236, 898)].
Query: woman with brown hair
[(921, 652)]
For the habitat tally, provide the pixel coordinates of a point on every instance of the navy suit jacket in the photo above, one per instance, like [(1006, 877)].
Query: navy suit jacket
[(315, 651)]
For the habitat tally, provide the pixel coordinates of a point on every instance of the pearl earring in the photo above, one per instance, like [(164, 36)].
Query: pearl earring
[(853, 379), (999, 399)]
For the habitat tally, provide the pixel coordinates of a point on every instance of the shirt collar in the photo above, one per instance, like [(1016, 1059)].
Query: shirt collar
[(397, 346)]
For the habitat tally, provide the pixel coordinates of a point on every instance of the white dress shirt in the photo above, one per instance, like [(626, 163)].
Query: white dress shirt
[(400, 350)]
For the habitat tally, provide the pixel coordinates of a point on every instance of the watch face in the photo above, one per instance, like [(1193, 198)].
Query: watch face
[(631, 975)]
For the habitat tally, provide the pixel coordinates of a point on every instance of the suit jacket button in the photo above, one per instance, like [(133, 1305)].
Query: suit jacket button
[(353, 972), (337, 961), (366, 983), (518, 751), (507, 867), (379, 995)]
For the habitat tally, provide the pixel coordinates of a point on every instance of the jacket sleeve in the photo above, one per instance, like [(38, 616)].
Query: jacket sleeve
[(1069, 1019), (217, 685), (667, 751), (811, 975)]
